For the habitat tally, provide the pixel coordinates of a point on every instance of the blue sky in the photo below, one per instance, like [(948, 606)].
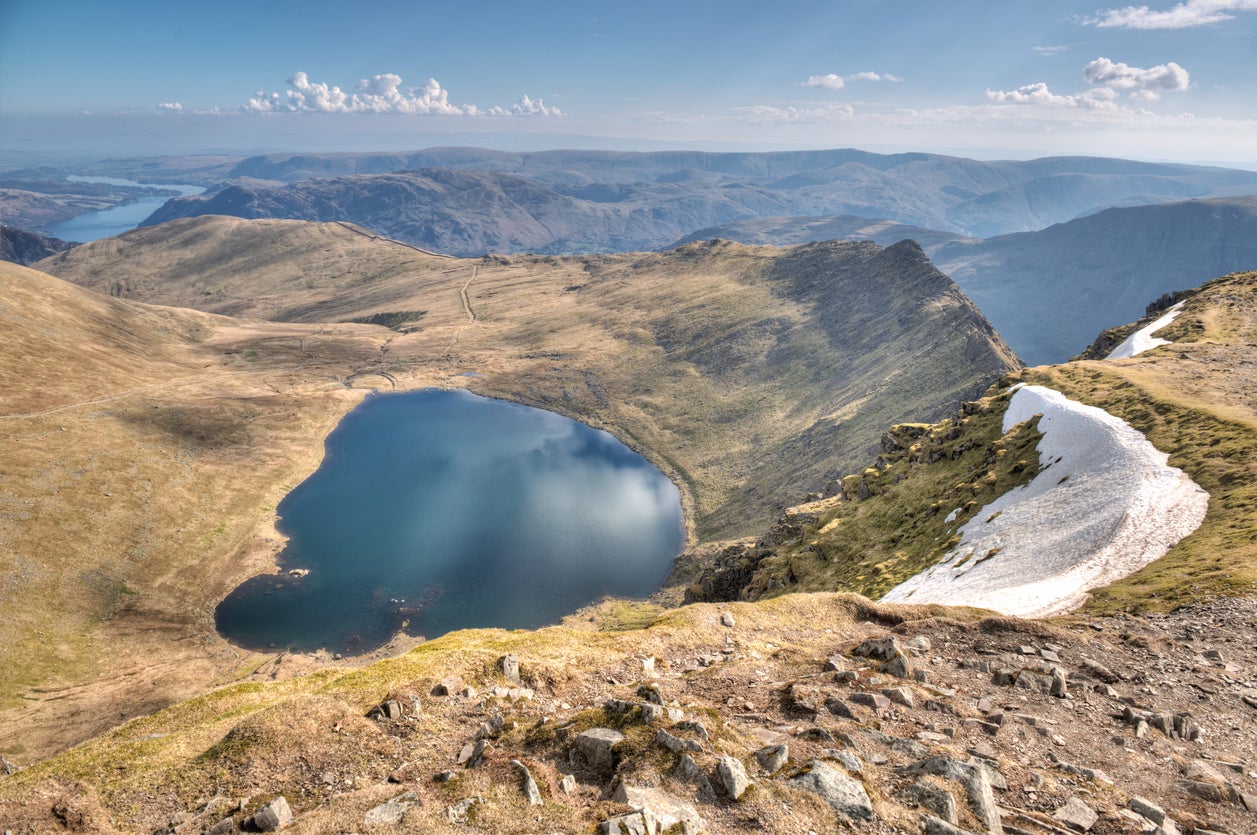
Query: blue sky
[(1170, 80)]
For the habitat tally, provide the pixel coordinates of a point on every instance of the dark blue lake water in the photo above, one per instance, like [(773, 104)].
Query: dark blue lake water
[(441, 510), (109, 222)]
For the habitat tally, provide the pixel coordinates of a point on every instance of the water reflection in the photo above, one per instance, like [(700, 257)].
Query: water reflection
[(442, 510)]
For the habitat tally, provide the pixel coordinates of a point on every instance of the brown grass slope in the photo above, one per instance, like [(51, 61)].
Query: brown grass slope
[(748, 374), (142, 450), (1195, 399)]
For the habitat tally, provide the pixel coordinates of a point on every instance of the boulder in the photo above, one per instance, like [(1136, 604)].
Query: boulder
[(391, 812), (596, 749), (926, 795), (666, 810), (879, 649), (1076, 815), (772, 758), (447, 686), (847, 796), (510, 667), (274, 815), (531, 793), (733, 777)]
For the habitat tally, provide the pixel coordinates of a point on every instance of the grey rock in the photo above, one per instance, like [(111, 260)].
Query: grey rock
[(772, 758), (1076, 815), (651, 693), (926, 795), (918, 645), (879, 649), (666, 810), (839, 708), (226, 826), (897, 667), (637, 823), (388, 709), (835, 664), (1147, 808), (874, 700), (733, 777), (510, 667), (676, 744), (1058, 687), (448, 686), (727, 620), (900, 695), (694, 726), (690, 772), (568, 784), (457, 814), (849, 761), (596, 748), (975, 780), (274, 815), (934, 826), (391, 812), (847, 796), (529, 786)]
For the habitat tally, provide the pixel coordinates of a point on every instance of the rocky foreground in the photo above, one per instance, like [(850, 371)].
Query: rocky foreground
[(802, 714)]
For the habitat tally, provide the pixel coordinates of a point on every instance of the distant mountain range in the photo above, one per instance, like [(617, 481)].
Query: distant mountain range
[(1049, 292), (468, 201)]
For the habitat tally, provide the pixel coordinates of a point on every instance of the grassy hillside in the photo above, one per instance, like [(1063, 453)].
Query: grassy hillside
[(1193, 399), (747, 374)]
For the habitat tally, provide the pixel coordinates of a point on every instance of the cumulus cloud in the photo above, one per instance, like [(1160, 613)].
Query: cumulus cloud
[(1101, 97), (382, 94), (170, 107), (1146, 84), (1185, 15), (766, 114), (833, 81)]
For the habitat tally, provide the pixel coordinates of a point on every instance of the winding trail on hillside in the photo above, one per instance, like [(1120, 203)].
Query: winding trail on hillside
[(464, 296)]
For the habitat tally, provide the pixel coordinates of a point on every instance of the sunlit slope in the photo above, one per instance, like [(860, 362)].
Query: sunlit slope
[(143, 449), (748, 374), (1192, 399)]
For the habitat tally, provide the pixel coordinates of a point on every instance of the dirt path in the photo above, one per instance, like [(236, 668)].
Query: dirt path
[(471, 314)]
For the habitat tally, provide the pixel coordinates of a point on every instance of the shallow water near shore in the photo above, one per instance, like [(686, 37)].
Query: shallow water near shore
[(441, 510)]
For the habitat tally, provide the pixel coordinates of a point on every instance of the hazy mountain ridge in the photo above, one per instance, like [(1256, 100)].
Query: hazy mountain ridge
[(1050, 292), (660, 197)]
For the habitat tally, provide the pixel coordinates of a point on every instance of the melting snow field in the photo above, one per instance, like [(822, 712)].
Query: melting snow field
[(1143, 339), (1104, 505)]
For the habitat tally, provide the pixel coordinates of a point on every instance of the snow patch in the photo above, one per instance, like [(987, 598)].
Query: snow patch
[(1103, 506), (1143, 339)]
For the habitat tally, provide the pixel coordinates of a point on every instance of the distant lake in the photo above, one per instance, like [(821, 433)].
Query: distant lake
[(109, 222), (441, 510)]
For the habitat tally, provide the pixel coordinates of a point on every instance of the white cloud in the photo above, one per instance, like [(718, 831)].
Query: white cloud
[(1185, 15), (382, 94), (170, 107), (833, 81), (766, 114), (1050, 50), (829, 81), (1100, 97), (1145, 84)]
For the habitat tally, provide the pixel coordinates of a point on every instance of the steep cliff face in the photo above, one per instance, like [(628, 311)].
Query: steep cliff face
[(21, 247)]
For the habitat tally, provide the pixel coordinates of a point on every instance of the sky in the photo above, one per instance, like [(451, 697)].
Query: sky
[(1172, 81)]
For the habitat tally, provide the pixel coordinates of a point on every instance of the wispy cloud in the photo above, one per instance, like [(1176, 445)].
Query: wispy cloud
[(170, 107), (1146, 84), (1185, 15), (1050, 50), (833, 81), (382, 94), (770, 114)]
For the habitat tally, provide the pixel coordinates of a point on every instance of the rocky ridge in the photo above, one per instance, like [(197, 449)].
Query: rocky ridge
[(727, 719)]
